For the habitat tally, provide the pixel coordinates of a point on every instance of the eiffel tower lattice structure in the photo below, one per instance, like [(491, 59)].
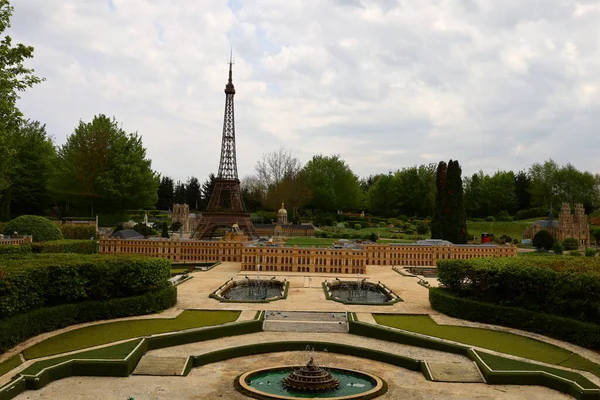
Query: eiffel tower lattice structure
[(226, 207)]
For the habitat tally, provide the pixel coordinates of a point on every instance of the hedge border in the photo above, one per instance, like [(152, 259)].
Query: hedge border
[(124, 367), (529, 377), (18, 328), (562, 328), (221, 299), (361, 303)]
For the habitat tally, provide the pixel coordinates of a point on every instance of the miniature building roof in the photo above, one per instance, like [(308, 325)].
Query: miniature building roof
[(545, 223), (127, 234)]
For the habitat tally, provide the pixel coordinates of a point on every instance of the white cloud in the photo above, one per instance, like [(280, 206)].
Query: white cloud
[(383, 83)]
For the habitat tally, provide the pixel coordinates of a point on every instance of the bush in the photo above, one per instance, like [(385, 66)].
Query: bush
[(571, 243), (504, 216), (373, 237), (535, 212), (43, 280), (575, 253), (78, 232), (40, 228), (423, 228), (490, 219), (558, 248), (145, 230), (543, 240), (589, 252), (581, 333), (20, 327), (66, 246), (357, 227), (11, 249), (564, 286)]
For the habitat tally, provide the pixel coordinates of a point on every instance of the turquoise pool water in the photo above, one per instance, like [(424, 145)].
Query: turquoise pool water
[(351, 383)]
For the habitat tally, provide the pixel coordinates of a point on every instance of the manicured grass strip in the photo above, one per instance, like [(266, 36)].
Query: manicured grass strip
[(513, 229), (501, 342), (307, 241), (116, 352), (95, 335), (10, 364), (179, 270), (498, 363)]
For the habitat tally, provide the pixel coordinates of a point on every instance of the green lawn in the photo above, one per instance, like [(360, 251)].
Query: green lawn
[(502, 342), (513, 229), (95, 335), (10, 364), (116, 352), (309, 241), (506, 364)]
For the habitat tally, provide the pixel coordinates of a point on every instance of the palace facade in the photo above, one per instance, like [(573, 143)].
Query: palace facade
[(347, 260)]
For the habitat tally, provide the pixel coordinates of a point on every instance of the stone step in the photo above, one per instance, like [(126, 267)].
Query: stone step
[(161, 366), (466, 372)]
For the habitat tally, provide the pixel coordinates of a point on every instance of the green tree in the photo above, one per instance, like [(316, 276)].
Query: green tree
[(164, 230), (104, 168), (207, 189), (382, 195), (180, 195), (333, 184), (193, 192), (523, 190), (543, 240), (14, 78), (166, 190), (439, 214), (450, 219), (32, 169)]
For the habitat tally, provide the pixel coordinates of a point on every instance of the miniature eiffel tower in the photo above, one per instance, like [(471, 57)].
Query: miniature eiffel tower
[(226, 206)]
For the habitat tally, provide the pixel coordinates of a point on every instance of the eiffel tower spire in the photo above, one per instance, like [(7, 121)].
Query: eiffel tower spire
[(226, 209), (228, 163)]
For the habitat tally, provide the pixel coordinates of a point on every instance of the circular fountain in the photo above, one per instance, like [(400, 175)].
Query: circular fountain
[(360, 291), (251, 290), (309, 381)]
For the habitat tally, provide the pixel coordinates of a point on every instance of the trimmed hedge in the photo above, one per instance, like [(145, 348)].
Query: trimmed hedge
[(44, 280), (20, 327), (40, 228), (78, 232), (12, 249), (66, 246), (577, 332), (565, 286)]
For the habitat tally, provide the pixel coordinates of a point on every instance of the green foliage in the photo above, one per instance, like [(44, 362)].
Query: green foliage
[(164, 230), (543, 240), (589, 252), (571, 243), (423, 228), (65, 246), (42, 229), (357, 227), (449, 220), (584, 334), (11, 249), (564, 286), (99, 334), (42, 280), (575, 253), (333, 184), (145, 230), (104, 168), (80, 232), (536, 212), (166, 190), (22, 326), (176, 226), (558, 248), (373, 237)]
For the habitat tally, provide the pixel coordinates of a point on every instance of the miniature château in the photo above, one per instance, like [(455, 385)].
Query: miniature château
[(568, 225), (345, 260)]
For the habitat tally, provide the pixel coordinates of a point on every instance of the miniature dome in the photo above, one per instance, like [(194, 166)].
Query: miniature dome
[(282, 215)]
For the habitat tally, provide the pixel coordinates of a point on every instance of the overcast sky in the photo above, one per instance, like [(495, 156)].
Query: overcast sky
[(383, 83)]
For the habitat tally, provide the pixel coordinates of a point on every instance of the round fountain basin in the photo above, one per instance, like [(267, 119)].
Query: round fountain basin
[(251, 291), (267, 382), (363, 292)]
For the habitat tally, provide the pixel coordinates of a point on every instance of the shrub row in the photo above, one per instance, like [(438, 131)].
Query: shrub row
[(581, 333), (78, 232), (20, 327), (66, 246), (40, 228), (12, 249), (565, 286), (43, 280)]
